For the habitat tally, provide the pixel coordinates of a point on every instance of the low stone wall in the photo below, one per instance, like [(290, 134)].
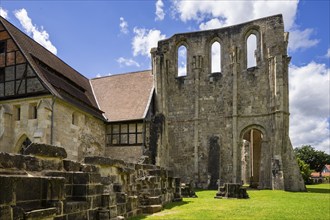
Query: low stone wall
[(47, 186)]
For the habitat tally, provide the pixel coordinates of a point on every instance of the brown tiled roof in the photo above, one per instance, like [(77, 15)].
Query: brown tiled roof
[(58, 77), (124, 96)]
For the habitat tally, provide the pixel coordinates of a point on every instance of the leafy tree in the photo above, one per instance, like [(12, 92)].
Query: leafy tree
[(305, 171), (314, 158)]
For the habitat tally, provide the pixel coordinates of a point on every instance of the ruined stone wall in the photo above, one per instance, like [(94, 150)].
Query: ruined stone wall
[(99, 188), (207, 113), (86, 136), (130, 154)]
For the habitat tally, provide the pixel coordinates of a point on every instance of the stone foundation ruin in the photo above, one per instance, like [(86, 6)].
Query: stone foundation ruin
[(44, 185)]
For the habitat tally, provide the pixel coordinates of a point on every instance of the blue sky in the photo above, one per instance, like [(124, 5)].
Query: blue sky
[(99, 38)]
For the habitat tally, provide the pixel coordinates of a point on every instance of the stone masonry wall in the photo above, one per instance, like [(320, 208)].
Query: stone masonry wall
[(207, 113), (86, 136), (42, 184)]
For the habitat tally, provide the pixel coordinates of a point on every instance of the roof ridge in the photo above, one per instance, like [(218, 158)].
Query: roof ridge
[(120, 74)]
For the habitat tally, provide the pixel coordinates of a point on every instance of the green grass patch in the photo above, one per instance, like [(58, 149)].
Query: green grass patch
[(263, 204)]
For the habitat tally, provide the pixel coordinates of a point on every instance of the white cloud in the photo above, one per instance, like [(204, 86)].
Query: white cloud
[(216, 14), (123, 25), (301, 39), (160, 14), (127, 62), (144, 40), (41, 36), (233, 12), (328, 53), (310, 106), (3, 13), (211, 24)]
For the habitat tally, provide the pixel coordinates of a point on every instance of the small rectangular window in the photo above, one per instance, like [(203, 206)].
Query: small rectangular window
[(17, 113), (33, 111), (74, 118), (2, 47)]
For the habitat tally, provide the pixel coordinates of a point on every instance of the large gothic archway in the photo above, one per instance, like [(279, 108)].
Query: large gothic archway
[(255, 158)]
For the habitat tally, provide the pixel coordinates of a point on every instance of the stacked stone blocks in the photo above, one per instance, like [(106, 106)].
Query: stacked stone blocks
[(47, 186)]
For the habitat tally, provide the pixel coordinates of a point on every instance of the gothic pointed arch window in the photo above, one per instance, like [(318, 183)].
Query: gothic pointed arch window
[(215, 57), (251, 50), (26, 142), (182, 60)]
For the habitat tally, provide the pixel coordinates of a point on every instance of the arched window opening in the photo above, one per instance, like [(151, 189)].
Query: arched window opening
[(251, 50), (216, 57), (182, 61), (24, 145)]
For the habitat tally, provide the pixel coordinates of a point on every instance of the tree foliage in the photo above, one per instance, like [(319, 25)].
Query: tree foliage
[(314, 158), (305, 171)]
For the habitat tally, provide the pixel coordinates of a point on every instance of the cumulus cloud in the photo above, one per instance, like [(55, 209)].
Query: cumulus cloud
[(310, 106), (127, 62), (41, 36), (328, 53), (3, 13), (211, 24), (216, 14), (160, 14), (144, 40), (301, 39), (234, 12), (123, 26)]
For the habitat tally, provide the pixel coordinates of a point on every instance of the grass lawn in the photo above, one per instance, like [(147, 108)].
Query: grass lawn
[(263, 204)]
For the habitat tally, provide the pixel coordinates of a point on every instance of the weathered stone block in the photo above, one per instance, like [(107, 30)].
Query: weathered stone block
[(75, 206), (95, 189), (88, 168), (104, 161), (6, 212), (7, 196), (45, 150), (83, 215), (117, 187), (81, 178), (113, 211), (121, 197), (79, 191), (232, 190), (46, 213), (70, 165), (150, 209)]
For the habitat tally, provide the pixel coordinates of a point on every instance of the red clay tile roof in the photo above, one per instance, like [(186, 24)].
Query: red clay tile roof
[(60, 79), (124, 97), (327, 166), (317, 174)]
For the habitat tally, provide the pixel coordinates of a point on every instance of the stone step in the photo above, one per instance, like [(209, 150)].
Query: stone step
[(150, 209), (154, 200)]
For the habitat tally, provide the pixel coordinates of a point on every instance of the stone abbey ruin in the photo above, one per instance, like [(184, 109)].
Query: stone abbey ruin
[(78, 148)]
